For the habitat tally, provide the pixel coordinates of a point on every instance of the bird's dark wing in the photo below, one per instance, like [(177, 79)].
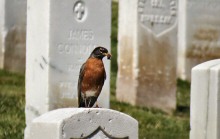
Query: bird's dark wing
[(81, 75), (104, 76)]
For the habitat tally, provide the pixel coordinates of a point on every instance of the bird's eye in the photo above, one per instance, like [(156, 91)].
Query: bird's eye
[(101, 50)]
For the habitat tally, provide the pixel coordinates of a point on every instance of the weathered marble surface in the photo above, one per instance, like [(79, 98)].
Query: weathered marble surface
[(72, 123), (199, 34), (147, 53)]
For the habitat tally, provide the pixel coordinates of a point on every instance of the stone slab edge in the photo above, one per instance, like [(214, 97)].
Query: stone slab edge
[(60, 120), (200, 99)]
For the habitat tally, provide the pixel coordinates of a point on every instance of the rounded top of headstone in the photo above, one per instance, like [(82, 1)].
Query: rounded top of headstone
[(88, 122), (207, 65)]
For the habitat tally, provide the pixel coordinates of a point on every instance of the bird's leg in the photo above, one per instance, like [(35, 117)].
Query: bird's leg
[(89, 103), (86, 104)]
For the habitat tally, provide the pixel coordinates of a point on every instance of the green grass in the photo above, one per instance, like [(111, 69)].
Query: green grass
[(12, 101), (114, 39), (153, 123)]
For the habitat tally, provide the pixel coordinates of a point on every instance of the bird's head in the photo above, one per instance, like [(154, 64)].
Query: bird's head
[(100, 52)]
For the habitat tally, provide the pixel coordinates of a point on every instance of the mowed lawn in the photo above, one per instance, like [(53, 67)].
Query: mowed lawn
[(153, 123), (12, 102)]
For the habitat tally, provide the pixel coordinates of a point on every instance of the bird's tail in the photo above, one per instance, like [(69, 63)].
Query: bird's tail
[(88, 102)]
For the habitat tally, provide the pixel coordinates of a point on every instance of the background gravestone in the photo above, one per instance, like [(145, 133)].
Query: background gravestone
[(84, 123), (147, 53), (60, 37), (13, 35), (204, 104), (2, 3), (199, 34)]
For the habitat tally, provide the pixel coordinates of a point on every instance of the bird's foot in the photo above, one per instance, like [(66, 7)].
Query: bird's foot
[(97, 106)]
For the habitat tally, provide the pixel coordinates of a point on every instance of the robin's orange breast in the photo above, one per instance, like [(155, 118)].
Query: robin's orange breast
[(94, 76)]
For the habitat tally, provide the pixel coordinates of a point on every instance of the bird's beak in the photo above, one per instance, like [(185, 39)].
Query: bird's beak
[(108, 55)]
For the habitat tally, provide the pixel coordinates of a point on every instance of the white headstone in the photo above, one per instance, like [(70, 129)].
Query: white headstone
[(199, 34), (204, 106), (13, 34), (60, 37), (2, 13), (84, 123), (147, 53)]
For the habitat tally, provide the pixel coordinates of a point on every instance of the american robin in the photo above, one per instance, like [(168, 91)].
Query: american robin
[(92, 77)]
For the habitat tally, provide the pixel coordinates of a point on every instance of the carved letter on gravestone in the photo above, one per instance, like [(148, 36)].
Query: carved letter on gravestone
[(157, 16)]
